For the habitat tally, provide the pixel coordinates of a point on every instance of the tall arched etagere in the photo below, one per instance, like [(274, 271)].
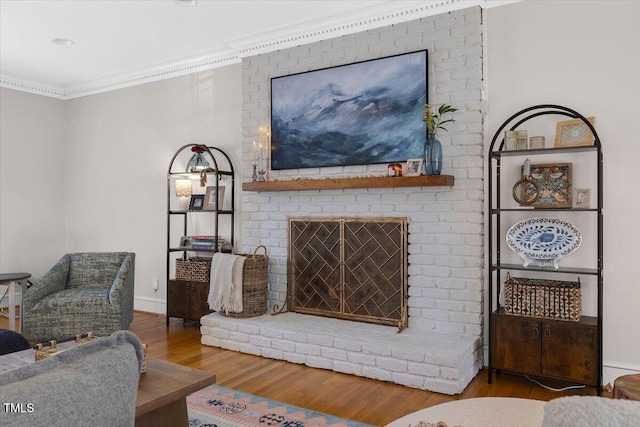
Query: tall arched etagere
[(568, 351), (211, 167)]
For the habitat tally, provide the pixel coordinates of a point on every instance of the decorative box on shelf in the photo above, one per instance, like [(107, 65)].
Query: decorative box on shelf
[(548, 299)]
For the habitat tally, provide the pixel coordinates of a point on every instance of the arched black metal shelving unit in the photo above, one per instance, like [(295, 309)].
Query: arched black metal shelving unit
[(221, 167), (589, 325)]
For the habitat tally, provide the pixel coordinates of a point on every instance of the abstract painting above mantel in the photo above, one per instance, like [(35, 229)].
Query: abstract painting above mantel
[(363, 113)]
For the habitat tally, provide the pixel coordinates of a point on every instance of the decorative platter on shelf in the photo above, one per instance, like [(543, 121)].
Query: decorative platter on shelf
[(543, 239)]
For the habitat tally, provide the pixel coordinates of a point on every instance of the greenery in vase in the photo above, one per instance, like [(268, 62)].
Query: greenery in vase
[(436, 121)]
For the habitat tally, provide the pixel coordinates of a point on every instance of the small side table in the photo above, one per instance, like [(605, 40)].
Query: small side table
[(627, 387), (11, 279)]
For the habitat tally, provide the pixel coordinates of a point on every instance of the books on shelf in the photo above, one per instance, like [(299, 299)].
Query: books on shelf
[(204, 243), (205, 238), (202, 247)]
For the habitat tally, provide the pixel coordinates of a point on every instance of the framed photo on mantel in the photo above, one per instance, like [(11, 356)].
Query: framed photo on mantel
[(414, 167)]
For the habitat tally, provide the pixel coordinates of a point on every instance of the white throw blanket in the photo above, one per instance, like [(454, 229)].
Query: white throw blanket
[(225, 290)]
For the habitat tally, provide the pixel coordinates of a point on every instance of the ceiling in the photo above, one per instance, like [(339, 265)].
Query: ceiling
[(119, 43)]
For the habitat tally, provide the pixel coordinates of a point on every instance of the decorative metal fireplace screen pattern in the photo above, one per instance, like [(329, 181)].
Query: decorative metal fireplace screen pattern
[(349, 268)]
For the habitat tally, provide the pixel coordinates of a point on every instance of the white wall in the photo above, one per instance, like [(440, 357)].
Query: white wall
[(89, 174), (32, 170), (586, 56), (119, 147)]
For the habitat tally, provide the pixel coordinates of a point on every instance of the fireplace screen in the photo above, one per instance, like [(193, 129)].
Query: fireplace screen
[(349, 268)]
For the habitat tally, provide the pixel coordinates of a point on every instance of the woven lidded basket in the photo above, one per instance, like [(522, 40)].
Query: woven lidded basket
[(194, 269), (549, 299), (254, 285)]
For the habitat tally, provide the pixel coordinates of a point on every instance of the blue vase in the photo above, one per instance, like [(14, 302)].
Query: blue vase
[(432, 156)]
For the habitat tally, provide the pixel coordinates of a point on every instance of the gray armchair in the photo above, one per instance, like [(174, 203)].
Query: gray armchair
[(91, 291)]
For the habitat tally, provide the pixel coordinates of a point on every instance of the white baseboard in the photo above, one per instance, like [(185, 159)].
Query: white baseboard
[(150, 305), (612, 370)]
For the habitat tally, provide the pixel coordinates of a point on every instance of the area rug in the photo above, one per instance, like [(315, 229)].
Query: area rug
[(217, 406), (479, 412)]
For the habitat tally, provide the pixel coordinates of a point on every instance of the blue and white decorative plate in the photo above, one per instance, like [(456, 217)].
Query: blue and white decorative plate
[(543, 239)]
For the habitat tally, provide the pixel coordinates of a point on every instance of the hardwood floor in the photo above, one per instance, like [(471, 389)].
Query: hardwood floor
[(361, 399)]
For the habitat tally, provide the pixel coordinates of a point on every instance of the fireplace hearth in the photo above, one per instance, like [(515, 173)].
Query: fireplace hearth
[(425, 360)]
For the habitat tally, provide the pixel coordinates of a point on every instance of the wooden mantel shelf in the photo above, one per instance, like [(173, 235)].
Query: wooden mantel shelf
[(345, 183)]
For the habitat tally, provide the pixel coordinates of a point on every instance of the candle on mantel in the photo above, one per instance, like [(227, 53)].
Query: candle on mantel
[(268, 147), (255, 152), (260, 156)]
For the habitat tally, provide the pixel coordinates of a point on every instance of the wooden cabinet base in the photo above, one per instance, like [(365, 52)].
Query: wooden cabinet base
[(555, 349), (187, 300)]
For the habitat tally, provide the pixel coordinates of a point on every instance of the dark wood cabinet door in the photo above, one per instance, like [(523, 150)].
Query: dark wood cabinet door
[(199, 295), (515, 344), (569, 351), (179, 299)]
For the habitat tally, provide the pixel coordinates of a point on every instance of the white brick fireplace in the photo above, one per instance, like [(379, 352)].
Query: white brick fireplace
[(442, 348)]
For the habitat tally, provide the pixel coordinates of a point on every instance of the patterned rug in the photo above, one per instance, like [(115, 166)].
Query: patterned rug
[(217, 406)]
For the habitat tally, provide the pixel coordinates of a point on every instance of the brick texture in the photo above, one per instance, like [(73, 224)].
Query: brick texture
[(436, 361), (445, 223)]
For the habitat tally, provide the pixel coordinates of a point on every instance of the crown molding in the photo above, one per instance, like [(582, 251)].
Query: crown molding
[(387, 13), (25, 84), (151, 74), (383, 14)]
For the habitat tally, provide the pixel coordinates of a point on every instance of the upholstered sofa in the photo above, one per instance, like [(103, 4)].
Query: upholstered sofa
[(93, 384), (83, 292)]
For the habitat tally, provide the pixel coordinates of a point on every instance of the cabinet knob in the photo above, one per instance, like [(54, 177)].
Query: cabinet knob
[(536, 332), (547, 332)]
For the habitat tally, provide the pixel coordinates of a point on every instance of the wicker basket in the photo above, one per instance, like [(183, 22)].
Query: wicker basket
[(194, 269), (254, 285), (549, 299)]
